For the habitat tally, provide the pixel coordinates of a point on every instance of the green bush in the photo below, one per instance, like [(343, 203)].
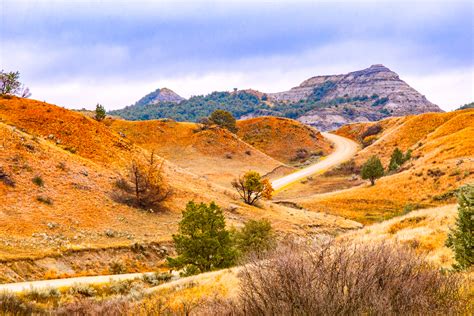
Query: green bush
[(99, 112), (202, 243), (398, 158), (38, 180), (372, 169), (461, 237), (224, 119), (255, 237)]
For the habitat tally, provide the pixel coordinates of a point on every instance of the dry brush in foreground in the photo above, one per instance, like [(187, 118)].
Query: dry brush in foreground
[(344, 279)]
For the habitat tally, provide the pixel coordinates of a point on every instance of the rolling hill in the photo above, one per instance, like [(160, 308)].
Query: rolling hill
[(442, 145), (58, 173), (299, 142)]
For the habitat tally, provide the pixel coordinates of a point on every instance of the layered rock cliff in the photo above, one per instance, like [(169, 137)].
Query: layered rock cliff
[(364, 95)]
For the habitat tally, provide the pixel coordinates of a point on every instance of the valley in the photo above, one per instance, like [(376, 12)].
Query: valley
[(60, 218)]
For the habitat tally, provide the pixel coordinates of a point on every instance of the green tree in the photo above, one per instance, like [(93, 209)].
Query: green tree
[(251, 187), (224, 119), (461, 239), (99, 112), (396, 160), (202, 243), (372, 169), (10, 84), (255, 236)]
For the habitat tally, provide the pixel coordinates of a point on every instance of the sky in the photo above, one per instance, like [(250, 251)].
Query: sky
[(79, 53)]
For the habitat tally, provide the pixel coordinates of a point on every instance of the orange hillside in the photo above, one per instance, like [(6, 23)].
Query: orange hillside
[(214, 153), (443, 160), (283, 139)]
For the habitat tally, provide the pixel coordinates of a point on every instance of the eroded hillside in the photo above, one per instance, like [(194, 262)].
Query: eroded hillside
[(215, 153), (286, 140), (442, 147), (59, 170)]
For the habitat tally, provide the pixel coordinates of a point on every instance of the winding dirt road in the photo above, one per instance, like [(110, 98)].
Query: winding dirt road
[(344, 149)]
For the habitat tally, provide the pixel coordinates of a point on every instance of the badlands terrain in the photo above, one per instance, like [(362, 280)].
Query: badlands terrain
[(59, 169)]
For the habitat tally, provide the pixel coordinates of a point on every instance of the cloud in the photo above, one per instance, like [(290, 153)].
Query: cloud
[(80, 53)]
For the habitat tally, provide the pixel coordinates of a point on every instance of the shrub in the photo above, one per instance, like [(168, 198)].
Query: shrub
[(156, 278), (145, 186), (202, 242), (38, 180), (372, 169), (41, 295), (371, 130), (44, 199), (343, 279), (12, 304), (84, 290), (117, 268), (100, 113), (224, 119), (5, 178), (461, 237), (398, 158), (251, 187), (86, 307), (255, 237), (346, 168)]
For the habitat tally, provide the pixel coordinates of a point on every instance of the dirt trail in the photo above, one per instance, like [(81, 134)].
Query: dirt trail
[(344, 150)]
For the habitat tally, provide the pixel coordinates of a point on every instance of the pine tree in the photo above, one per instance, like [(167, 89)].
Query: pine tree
[(202, 243), (396, 160), (461, 239), (372, 169), (99, 112)]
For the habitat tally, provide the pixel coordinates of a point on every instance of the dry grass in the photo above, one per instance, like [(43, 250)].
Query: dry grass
[(215, 154), (443, 147), (83, 215), (283, 139), (423, 230)]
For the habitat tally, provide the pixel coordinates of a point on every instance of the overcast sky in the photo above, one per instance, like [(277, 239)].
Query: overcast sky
[(77, 53)]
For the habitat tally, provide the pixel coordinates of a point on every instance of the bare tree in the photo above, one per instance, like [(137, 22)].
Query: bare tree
[(145, 187)]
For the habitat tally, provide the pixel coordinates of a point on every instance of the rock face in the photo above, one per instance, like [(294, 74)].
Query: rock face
[(369, 94), (160, 95)]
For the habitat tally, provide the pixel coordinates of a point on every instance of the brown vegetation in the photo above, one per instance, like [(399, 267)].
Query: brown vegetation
[(346, 279)]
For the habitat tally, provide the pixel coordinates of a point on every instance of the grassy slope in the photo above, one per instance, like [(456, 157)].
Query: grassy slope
[(425, 231), (281, 138), (216, 154), (441, 141), (80, 194)]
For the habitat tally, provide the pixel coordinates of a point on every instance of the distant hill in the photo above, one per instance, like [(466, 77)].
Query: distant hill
[(326, 102), (160, 95), (467, 106)]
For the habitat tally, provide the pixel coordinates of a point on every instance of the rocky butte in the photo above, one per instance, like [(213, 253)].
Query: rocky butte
[(365, 95)]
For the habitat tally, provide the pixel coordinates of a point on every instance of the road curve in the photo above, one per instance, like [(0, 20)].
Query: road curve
[(344, 149)]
